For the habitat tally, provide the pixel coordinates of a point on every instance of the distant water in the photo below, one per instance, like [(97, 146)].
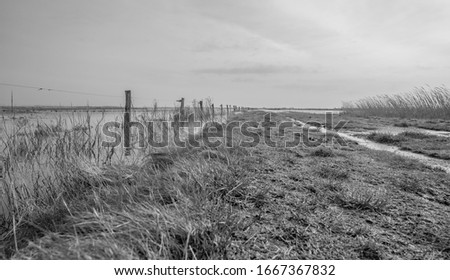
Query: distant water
[(311, 111), (394, 130), (82, 119), (70, 119)]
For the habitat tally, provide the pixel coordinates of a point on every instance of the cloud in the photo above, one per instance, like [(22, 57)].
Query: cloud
[(215, 46), (263, 69)]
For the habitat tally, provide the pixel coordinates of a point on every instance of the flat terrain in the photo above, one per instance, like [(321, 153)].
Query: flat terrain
[(327, 202)]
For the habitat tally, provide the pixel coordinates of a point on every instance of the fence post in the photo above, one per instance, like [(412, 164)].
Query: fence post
[(126, 122), (221, 112), (213, 114), (12, 105), (181, 108), (200, 103)]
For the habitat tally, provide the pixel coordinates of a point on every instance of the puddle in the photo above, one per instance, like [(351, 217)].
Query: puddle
[(397, 130), (311, 111), (431, 162)]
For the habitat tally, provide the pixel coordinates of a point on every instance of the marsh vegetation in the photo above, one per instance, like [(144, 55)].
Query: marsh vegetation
[(68, 198), (422, 103)]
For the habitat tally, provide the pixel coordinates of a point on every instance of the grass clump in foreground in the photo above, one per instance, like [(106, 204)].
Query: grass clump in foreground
[(137, 212), (363, 198)]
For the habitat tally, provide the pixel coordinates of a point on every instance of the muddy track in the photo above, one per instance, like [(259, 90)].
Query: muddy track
[(429, 161)]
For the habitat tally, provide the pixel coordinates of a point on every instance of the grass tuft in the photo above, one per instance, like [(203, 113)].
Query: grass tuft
[(383, 138), (360, 197), (323, 152)]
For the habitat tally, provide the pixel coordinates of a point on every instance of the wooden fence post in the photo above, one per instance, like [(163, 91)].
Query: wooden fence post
[(12, 105), (200, 103), (182, 117), (213, 114), (221, 112), (126, 122)]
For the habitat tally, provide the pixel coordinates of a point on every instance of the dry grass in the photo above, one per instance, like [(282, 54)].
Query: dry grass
[(420, 103), (362, 197), (130, 212)]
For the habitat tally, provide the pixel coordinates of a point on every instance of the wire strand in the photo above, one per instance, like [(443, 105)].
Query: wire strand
[(59, 90), (40, 89)]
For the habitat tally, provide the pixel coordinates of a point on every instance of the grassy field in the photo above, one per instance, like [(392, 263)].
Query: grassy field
[(263, 202)]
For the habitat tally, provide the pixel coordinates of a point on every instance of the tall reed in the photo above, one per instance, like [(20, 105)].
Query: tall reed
[(41, 158), (424, 102)]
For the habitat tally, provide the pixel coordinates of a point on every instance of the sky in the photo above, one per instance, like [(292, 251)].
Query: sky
[(256, 53)]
